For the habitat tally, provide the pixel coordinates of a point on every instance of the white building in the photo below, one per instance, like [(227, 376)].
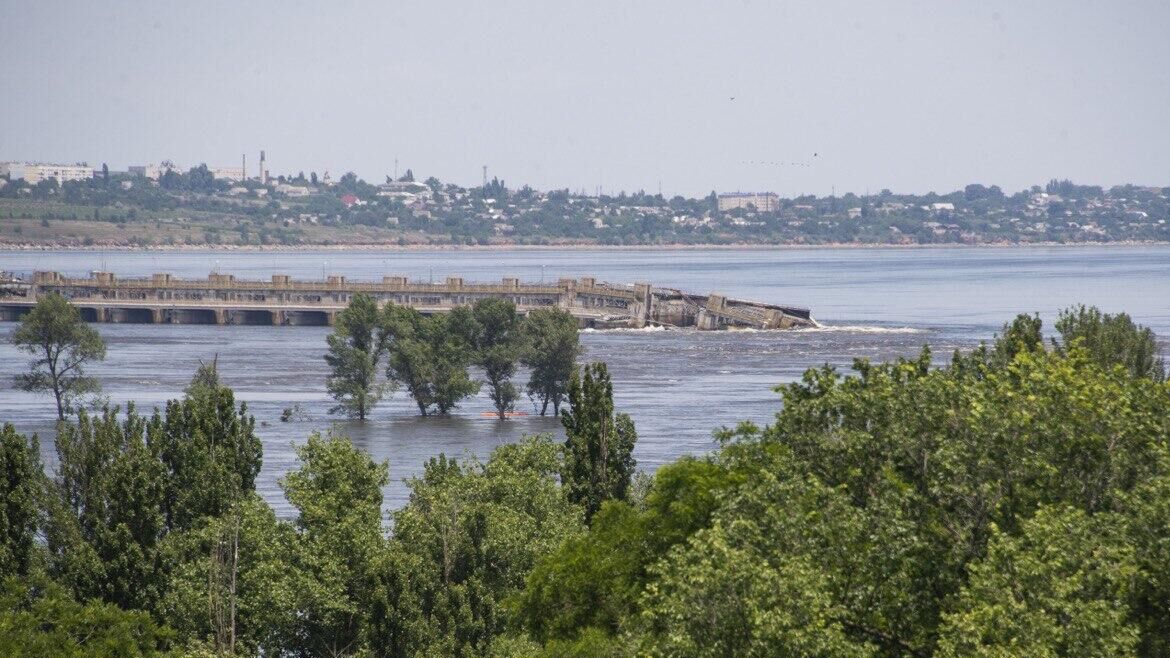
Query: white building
[(151, 171), (227, 173), (404, 190), (761, 201), (292, 190), (33, 173)]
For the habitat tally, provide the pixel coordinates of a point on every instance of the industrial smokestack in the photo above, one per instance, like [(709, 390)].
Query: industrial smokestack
[(263, 170)]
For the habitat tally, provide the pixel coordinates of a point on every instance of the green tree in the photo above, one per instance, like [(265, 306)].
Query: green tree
[(21, 482), (884, 499), (552, 346), (354, 353), (209, 450), (105, 517), (429, 356), (1020, 335), (62, 344), (497, 343), (41, 620), (1112, 340), (1057, 589), (599, 445), (206, 379), (338, 493), (463, 545), (1149, 519), (594, 580), (715, 599), (232, 586)]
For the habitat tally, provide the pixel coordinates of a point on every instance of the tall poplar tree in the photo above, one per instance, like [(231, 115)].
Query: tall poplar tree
[(599, 444), (20, 482)]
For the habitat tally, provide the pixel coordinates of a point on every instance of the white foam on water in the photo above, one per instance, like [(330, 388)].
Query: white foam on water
[(625, 330), (860, 329)]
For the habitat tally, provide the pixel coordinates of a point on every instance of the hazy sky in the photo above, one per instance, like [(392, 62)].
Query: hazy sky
[(913, 96)]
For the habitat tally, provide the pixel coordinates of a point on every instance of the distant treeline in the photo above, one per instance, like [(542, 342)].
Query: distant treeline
[(294, 209)]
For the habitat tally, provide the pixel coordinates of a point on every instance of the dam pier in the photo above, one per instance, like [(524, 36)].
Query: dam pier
[(282, 301)]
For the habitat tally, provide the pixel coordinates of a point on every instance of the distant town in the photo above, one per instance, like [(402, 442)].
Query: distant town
[(78, 205)]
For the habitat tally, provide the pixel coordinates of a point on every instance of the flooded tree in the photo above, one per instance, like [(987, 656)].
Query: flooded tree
[(62, 344)]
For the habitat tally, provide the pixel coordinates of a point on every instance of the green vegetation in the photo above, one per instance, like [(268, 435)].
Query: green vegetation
[(430, 356), (497, 340), (193, 208), (599, 445), (1112, 339), (1014, 501), (62, 344), (551, 350), (354, 352), (20, 479)]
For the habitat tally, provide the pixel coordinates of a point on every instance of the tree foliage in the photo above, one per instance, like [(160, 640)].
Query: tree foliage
[(338, 494), (62, 344), (1058, 588), (497, 340), (21, 483), (429, 356), (1112, 340), (354, 356), (1010, 503), (599, 444), (552, 346), (41, 620), (463, 545)]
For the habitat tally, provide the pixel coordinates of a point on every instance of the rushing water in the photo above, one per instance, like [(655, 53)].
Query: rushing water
[(677, 385)]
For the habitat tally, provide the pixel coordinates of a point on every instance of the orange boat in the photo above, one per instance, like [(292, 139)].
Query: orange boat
[(507, 414)]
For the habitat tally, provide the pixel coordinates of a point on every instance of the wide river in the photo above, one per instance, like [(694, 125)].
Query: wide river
[(677, 385)]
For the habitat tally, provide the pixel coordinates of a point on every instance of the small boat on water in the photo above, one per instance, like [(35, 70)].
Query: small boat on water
[(507, 414)]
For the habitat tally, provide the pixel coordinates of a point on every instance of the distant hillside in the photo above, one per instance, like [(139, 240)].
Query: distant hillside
[(194, 208)]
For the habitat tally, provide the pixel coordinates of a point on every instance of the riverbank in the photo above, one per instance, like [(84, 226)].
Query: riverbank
[(414, 248)]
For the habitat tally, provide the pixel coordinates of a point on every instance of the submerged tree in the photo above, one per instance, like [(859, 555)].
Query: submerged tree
[(496, 340), (599, 445), (552, 345), (428, 356), (354, 353), (62, 344)]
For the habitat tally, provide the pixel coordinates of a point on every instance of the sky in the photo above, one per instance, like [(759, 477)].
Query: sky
[(680, 96)]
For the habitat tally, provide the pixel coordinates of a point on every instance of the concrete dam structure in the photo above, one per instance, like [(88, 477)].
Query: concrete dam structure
[(224, 299)]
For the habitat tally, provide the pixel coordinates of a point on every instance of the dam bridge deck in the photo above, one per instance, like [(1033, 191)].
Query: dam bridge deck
[(224, 299)]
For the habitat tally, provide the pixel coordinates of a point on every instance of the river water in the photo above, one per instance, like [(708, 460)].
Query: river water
[(678, 386)]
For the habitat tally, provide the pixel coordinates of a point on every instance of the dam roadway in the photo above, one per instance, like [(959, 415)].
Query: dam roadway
[(223, 299)]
